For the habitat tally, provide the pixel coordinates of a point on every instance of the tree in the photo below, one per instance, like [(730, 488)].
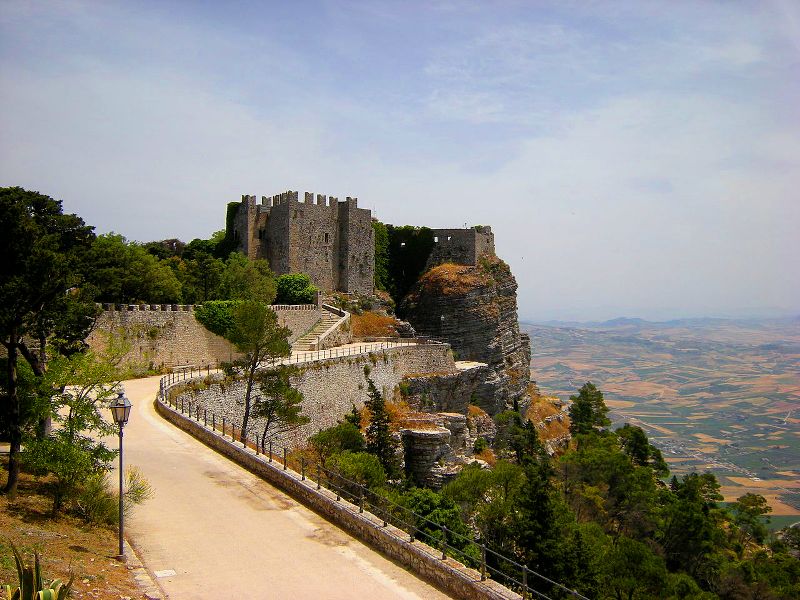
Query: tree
[(378, 435), (42, 251), (636, 445), (633, 571), (295, 288), (245, 279), (361, 468), (125, 272), (278, 404), (749, 514), (81, 385), (257, 335), (588, 410), (431, 511), (341, 437)]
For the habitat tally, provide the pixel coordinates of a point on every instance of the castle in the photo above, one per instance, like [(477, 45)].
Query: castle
[(333, 241)]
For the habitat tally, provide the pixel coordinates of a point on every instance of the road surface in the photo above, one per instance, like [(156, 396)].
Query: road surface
[(226, 533)]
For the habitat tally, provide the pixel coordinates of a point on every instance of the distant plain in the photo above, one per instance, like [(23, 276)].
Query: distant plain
[(715, 395)]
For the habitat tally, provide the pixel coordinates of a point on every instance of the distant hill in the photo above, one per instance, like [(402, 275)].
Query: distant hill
[(718, 394)]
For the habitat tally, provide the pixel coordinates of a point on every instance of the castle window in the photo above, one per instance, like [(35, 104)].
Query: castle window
[(326, 238), (449, 238), (402, 244), (436, 239)]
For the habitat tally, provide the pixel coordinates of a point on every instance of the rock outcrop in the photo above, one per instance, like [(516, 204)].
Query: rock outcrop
[(474, 309)]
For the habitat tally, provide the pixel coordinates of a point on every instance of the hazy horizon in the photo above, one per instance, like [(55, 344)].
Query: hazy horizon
[(634, 159)]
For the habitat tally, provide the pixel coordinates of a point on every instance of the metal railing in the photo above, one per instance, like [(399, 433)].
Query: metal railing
[(489, 563)]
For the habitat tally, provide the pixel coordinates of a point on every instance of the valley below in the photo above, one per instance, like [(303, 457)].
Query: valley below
[(715, 395)]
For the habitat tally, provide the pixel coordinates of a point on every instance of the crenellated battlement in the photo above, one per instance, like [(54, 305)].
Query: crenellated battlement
[(330, 240), (293, 197)]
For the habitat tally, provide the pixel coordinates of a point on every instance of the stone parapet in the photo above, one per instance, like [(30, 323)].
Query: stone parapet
[(449, 575)]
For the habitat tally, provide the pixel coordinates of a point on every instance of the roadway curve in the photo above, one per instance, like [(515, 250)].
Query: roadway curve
[(227, 533)]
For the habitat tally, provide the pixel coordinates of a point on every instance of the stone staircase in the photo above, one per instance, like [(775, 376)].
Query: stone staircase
[(307, 342)]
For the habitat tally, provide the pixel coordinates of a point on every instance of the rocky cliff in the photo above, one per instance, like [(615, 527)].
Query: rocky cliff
[(474, 309)]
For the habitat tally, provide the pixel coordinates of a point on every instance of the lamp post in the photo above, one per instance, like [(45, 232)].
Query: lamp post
[(120, 410)]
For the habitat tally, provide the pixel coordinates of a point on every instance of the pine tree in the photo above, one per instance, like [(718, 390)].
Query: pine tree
[(378, 435), (588, 410)]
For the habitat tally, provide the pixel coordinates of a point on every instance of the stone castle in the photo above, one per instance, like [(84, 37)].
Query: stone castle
[(333, 241)]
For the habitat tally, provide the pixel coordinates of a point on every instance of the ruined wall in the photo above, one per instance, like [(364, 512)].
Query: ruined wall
[(461, 246), (331, 387)]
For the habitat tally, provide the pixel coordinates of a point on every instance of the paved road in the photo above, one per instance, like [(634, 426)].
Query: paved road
[(228, 534)]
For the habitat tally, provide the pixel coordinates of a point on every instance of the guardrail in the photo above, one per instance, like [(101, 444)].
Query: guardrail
[(487, 563)]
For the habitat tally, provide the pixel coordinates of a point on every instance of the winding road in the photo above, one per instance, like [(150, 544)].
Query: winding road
[(225, 533)]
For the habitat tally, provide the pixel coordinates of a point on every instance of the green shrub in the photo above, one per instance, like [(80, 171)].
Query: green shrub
[(360, 467), (217, 315), (336, 439), (295, 288), (480, 445), (98, 501)]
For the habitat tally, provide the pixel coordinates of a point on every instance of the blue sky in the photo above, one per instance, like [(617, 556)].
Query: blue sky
[(633, 158)]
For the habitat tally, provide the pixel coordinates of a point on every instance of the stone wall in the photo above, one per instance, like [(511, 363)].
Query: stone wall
[(300, 318), (161, 338), (331, 241), (461, 246), (169, 335), (450, 575), (332, 386)]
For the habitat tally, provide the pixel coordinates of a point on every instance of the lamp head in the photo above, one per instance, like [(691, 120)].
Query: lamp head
[(120, 409)]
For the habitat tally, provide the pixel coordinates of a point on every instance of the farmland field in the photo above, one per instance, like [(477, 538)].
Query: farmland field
[(716, 395)]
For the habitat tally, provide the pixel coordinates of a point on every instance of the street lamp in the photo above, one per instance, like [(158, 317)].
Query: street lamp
[(120, 410)]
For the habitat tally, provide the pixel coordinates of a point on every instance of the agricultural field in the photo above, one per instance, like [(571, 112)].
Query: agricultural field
[(717, 395)]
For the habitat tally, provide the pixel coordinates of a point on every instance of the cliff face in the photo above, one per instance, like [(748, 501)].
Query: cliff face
[(474, 308)]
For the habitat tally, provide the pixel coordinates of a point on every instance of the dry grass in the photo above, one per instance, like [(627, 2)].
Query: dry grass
[(372, 324), (453, 280), (487, 455), (543, 407), (64, 544), (476, 411)]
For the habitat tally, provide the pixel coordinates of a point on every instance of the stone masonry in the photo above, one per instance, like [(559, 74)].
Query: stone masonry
[(331, 387), (330, 241), (168, 335)]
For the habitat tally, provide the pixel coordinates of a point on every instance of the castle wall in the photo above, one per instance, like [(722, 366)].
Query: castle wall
[(331, 387), (169, 335), (331, 241), (161, 338), (461, 246), (313, 238), (276, 244), (357, 250)]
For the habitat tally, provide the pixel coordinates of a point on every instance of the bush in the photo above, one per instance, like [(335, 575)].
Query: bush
[(359, 467), (98, 502), (217, 315), (295, 288), (336, 439)]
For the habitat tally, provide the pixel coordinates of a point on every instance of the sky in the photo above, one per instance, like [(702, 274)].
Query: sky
[(633, 158)]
